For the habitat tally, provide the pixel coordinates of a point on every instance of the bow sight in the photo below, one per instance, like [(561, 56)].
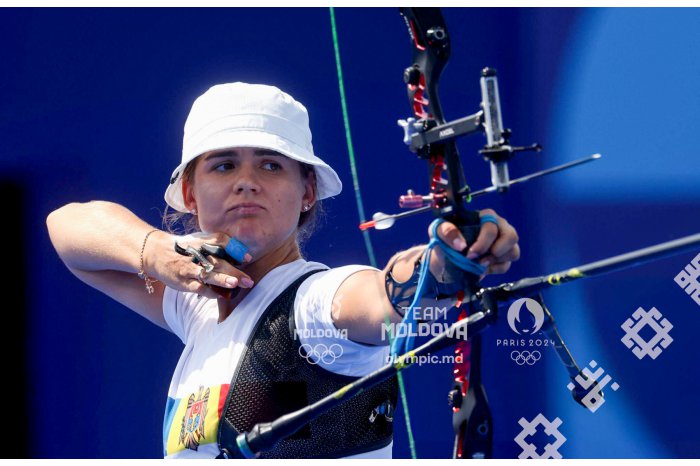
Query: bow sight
[(427, 133)]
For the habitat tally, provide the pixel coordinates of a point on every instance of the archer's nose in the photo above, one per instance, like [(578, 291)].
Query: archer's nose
[(246, 181)]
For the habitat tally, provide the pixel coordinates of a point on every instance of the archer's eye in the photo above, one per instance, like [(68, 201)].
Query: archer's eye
[(222, 167), (272, 166)]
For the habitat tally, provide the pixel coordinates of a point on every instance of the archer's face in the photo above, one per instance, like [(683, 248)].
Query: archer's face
[(256, 195)]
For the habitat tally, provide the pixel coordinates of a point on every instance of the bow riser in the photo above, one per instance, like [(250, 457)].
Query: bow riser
[(431, 50), (448, 189)]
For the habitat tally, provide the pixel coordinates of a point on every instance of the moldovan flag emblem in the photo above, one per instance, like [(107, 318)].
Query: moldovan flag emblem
[(194, 419)]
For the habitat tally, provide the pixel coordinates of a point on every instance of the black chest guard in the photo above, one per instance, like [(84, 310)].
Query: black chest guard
[(273, 379)]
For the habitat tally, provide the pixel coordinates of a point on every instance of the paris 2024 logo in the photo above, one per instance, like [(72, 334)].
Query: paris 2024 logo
[(525, 318), (522, 327)]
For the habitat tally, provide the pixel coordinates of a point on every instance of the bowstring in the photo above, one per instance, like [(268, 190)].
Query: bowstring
[(348, 139), (361, 212)]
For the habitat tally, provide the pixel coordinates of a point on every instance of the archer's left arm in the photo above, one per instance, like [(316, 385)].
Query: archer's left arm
[(365, 304)]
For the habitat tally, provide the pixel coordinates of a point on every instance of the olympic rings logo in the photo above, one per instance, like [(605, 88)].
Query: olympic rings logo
[(525, 357), (320, 352)]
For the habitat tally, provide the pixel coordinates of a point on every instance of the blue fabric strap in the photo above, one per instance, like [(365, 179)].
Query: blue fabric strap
[(455, 257), (404, 343)]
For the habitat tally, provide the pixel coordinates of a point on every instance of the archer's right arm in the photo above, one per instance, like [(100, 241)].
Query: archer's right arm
[(100, 243)]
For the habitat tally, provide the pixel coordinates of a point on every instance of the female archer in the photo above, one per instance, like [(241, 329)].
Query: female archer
[(265, 331)]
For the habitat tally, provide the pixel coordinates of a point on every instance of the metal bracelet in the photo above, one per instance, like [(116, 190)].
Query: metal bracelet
[(142, 272)]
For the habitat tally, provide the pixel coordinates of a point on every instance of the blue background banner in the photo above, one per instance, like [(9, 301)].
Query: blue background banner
[(93, 105)]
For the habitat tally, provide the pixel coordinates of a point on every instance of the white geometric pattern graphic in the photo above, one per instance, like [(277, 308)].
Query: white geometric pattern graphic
[(636, 323), (688, 279), (530, 429), (592, 382)]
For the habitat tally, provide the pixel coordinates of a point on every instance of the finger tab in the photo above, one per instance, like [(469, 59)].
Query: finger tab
[(237, 250)]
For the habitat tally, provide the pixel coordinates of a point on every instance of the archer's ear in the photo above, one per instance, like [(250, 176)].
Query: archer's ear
[(188, 195), (310, 192)]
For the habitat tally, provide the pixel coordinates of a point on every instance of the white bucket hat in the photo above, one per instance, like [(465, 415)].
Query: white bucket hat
[(249, 115)]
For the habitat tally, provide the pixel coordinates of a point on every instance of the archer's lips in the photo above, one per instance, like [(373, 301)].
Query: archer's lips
[(246, 208)]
